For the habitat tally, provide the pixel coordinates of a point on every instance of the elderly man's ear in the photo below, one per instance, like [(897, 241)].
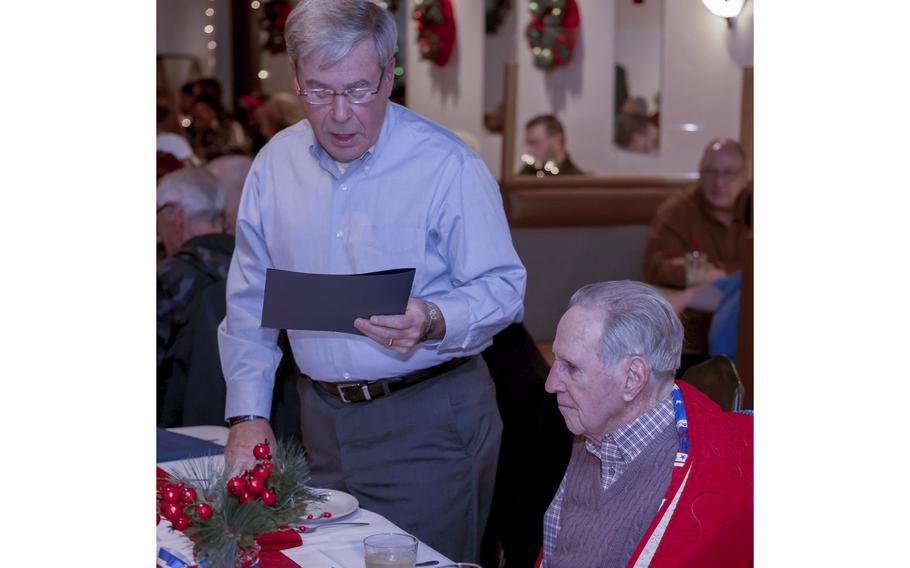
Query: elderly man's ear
[(637, 374)]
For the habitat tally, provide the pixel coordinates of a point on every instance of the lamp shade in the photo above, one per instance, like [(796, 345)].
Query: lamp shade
[(725, 8)]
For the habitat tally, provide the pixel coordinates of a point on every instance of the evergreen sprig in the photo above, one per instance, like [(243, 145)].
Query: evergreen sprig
[(233, 526)]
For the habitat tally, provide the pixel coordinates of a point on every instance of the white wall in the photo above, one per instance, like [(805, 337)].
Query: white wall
[(701, 85), (638, 40), (701, 77), (180, 30), (451, 95)]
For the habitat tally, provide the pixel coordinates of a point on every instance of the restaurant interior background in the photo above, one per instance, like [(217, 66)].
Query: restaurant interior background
[(688, 64)]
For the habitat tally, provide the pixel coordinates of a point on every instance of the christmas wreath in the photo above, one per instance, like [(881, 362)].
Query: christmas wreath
[(552, 32), (435, 29)]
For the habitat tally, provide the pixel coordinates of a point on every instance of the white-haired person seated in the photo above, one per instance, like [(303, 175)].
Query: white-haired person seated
[(659, 474), (190, 224)]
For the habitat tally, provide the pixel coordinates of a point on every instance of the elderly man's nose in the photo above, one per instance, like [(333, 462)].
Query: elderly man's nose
[(552, 381)]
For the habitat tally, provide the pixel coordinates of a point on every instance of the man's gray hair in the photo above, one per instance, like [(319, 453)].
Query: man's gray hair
[(334, 27), (196, 190), (638, 320)]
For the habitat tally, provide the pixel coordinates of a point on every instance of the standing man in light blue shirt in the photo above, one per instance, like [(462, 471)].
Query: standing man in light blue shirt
[(405, 416)]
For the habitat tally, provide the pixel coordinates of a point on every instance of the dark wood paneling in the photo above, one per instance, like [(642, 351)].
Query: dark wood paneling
[(745, 119), (245, 49), (586, 201)]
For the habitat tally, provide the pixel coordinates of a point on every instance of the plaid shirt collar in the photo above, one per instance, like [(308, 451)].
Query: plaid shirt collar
[(620, 447)]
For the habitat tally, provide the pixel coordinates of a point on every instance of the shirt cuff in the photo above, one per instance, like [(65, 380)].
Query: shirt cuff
[(455, 312), (246, 397)]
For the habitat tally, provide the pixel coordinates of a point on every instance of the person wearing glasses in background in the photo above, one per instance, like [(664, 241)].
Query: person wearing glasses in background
[(714, 218), (405, 416), (709, 227)]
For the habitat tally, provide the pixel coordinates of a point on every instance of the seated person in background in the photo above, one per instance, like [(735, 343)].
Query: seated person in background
[(713, 218), (277, 113), (231, 172), (659, 474), (702, 234), (636, 133), (190, 225), (545, 142), (215, 133), (634, 105)]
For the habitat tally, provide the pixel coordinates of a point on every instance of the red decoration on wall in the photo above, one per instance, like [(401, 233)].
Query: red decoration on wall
[(552, 32), (274, 16), (435, 30)]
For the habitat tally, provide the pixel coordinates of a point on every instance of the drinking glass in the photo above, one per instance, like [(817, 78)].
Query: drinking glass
[(390, 550), (696, 263)]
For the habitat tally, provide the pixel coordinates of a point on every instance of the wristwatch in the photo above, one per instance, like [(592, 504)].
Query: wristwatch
[(432, 319), (234, 420)]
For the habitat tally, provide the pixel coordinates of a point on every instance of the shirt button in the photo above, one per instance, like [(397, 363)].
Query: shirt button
[(366, 168), (344, 187), (611, 471), (339, 234), (346, 375)]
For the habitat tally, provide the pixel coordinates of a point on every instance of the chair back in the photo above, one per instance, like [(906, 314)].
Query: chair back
[(717, 378)]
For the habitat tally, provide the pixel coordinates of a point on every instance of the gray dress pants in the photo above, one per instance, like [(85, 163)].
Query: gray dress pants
[(424, 457)]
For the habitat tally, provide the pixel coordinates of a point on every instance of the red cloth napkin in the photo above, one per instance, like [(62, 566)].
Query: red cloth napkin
[(273, 542)]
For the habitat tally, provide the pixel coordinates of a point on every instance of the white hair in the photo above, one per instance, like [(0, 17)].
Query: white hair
[(334, 27), (196, 190), (231, 171), (638, 320)]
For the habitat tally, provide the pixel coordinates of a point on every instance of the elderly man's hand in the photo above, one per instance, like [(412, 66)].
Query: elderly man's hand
[(400, 333), (238, 453)]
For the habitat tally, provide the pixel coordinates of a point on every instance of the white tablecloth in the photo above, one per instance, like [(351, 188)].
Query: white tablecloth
[(333, 547)]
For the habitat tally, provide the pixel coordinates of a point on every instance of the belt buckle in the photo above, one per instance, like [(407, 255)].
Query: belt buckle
[(364, 388)]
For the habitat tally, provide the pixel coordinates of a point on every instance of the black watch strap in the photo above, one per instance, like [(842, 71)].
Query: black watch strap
[(234, 420)]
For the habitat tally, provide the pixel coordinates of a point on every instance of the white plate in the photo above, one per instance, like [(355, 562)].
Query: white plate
[(338, 503)]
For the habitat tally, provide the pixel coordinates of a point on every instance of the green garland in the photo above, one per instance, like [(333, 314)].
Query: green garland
[(233, 525)]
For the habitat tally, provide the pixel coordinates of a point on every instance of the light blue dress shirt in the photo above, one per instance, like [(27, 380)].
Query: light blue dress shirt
[(419, 197)]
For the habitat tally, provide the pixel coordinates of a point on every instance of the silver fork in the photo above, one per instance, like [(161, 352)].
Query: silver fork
[(313, 528)]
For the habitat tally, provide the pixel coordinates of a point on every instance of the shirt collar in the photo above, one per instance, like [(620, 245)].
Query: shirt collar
[(740, 206), (328, 163), (635, 436)]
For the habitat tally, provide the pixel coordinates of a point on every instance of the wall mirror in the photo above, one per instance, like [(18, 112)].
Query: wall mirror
[(637, 87)]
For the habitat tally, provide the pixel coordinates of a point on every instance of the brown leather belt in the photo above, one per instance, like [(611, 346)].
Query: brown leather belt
[(368, 390)]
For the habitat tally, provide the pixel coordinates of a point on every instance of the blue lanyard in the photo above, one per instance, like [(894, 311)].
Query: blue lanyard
[(682, 427)]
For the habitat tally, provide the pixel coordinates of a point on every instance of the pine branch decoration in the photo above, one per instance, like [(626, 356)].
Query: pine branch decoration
[(233, 519)]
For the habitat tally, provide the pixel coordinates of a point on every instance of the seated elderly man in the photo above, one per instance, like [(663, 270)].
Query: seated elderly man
[(659, 474), (191, 226)]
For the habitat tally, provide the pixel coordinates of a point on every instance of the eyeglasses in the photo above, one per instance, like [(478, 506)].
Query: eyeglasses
[(719, 173), (354, 96)]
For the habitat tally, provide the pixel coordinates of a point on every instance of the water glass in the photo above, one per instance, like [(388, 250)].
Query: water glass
[(390, 550)]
